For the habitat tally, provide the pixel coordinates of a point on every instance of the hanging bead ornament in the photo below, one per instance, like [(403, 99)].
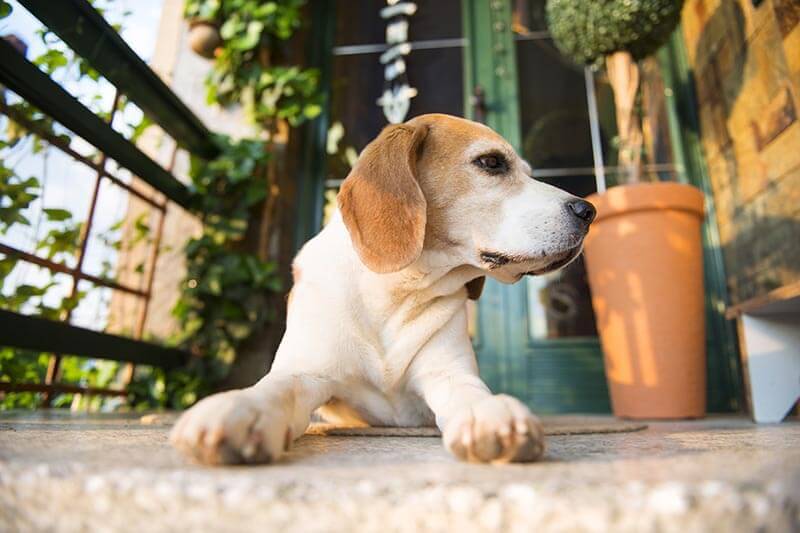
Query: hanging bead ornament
[(397, 93)]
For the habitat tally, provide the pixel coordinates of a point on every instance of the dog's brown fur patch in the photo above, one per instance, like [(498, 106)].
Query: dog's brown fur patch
[(381, 202)]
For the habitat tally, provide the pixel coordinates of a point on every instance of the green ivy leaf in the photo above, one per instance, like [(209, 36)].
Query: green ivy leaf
[(223, 298), (251, 38), (7, 264), (312, 110), (231, 28), (51, 60), (265, 10), (57, 215)]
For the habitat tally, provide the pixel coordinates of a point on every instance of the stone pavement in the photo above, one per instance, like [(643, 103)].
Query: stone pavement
[(112, 473)]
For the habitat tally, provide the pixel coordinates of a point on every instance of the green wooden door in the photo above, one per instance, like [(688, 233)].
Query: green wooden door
[(535, 339)]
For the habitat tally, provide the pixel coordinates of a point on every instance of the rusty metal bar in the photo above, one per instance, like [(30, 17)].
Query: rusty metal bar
[(59, 387), (64, 269), (130, 368), (55, 359), (57, 143)]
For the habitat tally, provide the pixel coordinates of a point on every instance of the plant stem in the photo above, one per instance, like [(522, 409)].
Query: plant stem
[(623, 75)]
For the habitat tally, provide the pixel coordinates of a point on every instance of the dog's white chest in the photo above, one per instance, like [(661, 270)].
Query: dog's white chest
[(371, 405)]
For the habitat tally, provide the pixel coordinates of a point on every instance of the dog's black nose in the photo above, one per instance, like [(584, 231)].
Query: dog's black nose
[(583, 210)]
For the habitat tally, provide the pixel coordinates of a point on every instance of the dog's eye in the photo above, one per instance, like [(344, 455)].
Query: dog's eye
[(492, 163)]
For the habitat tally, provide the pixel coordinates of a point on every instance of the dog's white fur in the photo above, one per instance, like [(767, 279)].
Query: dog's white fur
[(387, 344)]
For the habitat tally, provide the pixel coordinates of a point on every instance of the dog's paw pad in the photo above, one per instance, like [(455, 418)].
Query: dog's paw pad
[(230, 428), (499, 429)]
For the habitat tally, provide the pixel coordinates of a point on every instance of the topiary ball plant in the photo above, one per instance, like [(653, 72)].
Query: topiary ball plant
[(622, 32), (590, 30)]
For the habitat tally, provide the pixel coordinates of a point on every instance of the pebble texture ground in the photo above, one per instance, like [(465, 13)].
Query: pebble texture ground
[(116, 474)]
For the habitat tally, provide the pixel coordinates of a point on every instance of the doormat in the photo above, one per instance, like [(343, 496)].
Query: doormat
[(553, 425)]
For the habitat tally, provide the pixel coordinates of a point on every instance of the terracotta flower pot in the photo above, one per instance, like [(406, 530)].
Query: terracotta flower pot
[(204, 37), (645, 264)]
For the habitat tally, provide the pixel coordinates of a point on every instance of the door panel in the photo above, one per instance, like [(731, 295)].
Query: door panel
[(537, 339)]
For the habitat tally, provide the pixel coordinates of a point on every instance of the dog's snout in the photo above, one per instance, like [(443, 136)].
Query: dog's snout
[(583, 210)]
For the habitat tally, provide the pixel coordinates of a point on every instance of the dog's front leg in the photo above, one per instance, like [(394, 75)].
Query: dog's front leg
[(476, 425), (253, 425), (479, 426)]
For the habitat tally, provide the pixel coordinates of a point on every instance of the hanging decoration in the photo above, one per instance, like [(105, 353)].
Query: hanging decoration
[(397, 93)]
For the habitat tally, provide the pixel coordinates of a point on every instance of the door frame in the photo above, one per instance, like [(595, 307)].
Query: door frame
[(724, 374)]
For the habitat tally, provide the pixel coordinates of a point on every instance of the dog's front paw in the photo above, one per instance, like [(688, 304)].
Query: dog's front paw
[(232, 428), (498, 429)]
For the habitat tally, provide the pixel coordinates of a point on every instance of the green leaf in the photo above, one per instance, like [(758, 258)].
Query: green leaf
[(29, 291), (85, 69), (57, 215), (51, 60), (265, 10), (312, 110), (5, 9), (7, 264), (232, 27), (61, 241), (139, 128), (251, 37)]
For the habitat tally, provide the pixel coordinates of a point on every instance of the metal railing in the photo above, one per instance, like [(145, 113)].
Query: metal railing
[(90, 36)]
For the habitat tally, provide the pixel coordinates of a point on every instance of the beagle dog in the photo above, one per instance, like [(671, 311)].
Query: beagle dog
[(376, 330)]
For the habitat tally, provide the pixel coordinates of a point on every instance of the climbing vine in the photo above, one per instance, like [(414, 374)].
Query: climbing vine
[(230, 276), (250, 65), (224, 298), (51, 232)]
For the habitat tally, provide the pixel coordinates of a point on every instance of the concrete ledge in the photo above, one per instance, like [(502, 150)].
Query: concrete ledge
[(114, 474)]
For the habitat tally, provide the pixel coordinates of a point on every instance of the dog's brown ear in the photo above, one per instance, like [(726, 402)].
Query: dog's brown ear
[(381, 202), (475, 287)]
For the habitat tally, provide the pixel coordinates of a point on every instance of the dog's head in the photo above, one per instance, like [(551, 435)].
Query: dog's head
[(457, 189)]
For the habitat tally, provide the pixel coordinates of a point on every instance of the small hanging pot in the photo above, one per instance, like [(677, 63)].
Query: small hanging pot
[(204, 37)]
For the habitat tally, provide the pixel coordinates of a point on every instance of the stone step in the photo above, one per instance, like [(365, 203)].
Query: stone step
[(113, 473)]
